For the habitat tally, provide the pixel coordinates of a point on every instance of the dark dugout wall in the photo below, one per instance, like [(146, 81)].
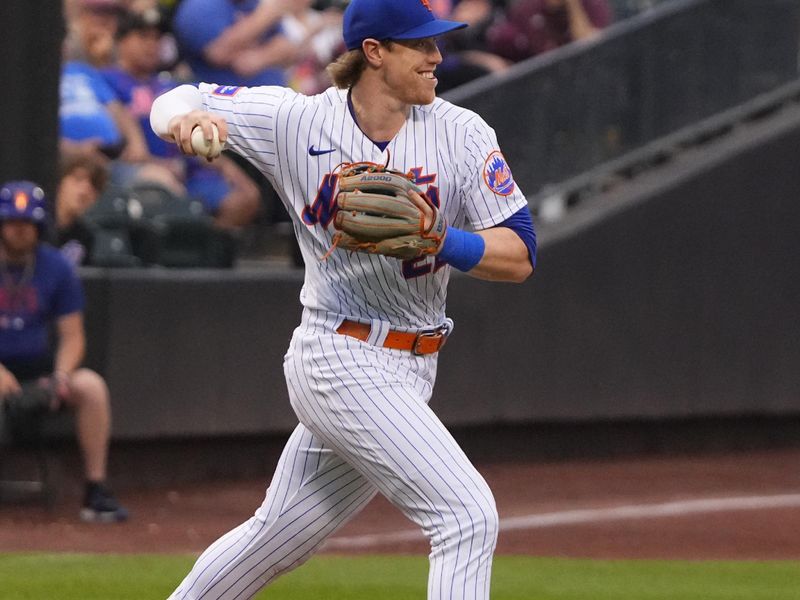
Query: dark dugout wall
[(30, 47), (678, 302)]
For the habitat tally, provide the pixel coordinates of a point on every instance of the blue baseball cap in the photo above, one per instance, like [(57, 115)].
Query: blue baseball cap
[(392, 20)]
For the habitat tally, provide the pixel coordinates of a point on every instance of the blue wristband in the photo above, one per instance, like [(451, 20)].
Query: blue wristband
[(462, 249)]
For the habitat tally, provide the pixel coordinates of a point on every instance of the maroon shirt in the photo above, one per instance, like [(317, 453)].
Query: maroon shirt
[(531, 27)]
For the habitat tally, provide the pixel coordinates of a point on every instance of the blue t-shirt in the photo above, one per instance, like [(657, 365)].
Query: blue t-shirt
[(27, 311), (138, 96), (83, 112), (199, 22)]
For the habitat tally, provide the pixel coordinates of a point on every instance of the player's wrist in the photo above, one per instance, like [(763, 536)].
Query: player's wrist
[(462, 249), (175, 103)]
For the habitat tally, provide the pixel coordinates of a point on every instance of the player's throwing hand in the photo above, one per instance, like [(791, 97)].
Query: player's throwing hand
[(182, 126)]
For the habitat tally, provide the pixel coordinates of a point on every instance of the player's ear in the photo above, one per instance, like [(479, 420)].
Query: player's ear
[(373, 51)]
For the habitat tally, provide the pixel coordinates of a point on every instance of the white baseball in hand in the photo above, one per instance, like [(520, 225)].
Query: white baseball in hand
[(203, 147)]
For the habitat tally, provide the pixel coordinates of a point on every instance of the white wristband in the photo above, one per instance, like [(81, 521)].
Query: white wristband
[(179, 101)]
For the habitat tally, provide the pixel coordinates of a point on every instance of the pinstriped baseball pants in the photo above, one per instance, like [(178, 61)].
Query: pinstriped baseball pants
[(365, 427)]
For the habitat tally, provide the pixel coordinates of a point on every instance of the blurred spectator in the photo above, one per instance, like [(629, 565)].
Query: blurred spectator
[(226, 191), (168, 47), (478, 14), (466, 52), (90, 118), (91, 27), (235, 42), (82, 178), (40, 289), (317, 34), (532, 27)]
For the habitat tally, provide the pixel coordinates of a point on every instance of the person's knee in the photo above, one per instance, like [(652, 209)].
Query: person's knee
[(486, 523), (88, 388), (476, 524)]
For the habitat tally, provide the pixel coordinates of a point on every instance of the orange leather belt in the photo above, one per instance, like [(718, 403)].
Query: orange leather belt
[(424, 342)]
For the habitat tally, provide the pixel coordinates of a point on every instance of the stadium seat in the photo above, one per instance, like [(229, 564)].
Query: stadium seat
[(120, 237), (110, 210), (185, 236), (150, 200), (147, 224), (113, 248)]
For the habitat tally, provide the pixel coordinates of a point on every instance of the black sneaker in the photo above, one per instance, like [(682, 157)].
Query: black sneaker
[(100, 506)]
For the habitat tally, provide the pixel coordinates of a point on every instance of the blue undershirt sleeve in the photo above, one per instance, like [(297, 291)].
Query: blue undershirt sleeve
[(521, 223)]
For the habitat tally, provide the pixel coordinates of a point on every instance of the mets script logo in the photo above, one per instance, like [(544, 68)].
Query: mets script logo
[(497, 174), (427, 4)]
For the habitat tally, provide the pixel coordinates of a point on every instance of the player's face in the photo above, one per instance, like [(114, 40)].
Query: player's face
[(409, 70), (19, 237)]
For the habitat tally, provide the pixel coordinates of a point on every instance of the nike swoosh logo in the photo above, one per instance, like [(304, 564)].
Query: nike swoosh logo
[(314, 152)]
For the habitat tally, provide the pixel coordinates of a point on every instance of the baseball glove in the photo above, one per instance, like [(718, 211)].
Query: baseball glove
[(376, 215)]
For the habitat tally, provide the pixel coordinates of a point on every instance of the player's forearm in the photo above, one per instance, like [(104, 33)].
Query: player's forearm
[(505, 257), (505, 252), (496, 254), (177, 102)]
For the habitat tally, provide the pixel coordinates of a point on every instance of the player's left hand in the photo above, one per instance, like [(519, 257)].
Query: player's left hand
[(427, 210)]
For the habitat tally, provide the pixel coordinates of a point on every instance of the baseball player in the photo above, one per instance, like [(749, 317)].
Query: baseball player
[(361, 366)]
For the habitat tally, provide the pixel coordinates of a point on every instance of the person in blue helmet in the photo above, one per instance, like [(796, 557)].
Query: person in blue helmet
[(40, 290)]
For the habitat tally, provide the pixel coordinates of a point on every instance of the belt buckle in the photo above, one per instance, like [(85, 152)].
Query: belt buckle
[(441, 331)]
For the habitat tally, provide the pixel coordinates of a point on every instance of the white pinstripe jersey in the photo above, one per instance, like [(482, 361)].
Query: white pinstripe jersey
[(297, 142)]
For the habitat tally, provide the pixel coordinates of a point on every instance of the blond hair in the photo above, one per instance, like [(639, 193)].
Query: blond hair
[(346, 70)]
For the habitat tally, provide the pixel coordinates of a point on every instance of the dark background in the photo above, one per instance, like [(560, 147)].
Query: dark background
[(675, 301), (30, 60)]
